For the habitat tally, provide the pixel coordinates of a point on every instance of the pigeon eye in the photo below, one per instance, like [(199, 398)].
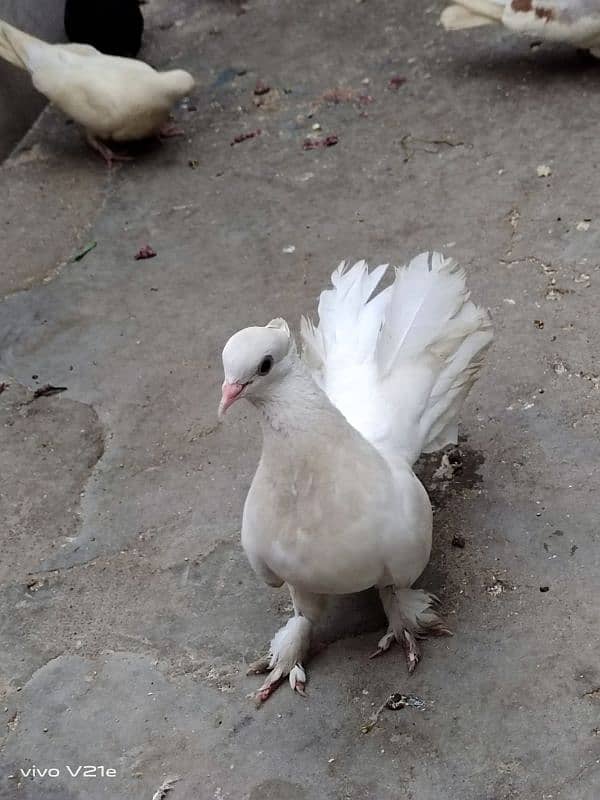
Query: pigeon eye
[(265, 365)]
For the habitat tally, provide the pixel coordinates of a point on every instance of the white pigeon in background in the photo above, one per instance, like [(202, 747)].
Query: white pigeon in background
[(335, 506), (112, 98), (576, 22)]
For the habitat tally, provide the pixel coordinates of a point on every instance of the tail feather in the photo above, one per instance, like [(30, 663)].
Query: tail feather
[(399, 364), (457, 18), (348, 323), (420, 308), (18, 47), (471, 14), (452, 387), (347, 302)]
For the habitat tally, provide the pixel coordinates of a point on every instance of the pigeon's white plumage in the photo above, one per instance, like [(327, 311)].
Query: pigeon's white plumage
[(576, 22), (112, 98), (334, 506)]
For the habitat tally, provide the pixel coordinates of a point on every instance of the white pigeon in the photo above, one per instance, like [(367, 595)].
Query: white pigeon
[(576, 22), (335, 506), (112, 98)]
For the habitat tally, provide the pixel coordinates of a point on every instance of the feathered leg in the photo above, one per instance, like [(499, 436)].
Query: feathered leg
[(290, 645), (411, 615)]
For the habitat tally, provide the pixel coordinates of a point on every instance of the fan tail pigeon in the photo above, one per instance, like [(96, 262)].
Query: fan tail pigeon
[(334, 506)]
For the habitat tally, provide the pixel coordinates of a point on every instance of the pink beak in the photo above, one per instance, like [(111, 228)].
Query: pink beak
[(229, 394)]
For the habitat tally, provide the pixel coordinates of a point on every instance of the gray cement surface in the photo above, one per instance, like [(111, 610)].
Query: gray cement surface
[(128, 611)]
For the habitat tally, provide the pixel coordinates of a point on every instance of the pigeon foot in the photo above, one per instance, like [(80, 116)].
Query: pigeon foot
[(288, 649), (411, 615)]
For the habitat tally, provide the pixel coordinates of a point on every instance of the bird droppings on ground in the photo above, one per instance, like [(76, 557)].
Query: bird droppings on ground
[(314, 144), (48, 390), (243, 137), (34, 584), (458, 540), (84, 251), (583, 277), (543, 171), (450, 463), (497, 587), (145, 252), (166, 786), (395, 702), (583, 225), (593, 694)]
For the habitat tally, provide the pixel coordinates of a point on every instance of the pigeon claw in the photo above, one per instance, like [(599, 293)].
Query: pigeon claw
[(384, 644), (107, 154), (409, 644), (266, 692), (411, 650), (272, 683), (297, 679), (260, 666)]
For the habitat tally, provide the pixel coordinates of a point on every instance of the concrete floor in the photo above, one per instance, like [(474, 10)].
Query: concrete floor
[(128, 611)]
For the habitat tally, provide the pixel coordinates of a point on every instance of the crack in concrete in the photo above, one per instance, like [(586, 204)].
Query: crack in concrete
[(408, 139), (19, 401), (54, 272)]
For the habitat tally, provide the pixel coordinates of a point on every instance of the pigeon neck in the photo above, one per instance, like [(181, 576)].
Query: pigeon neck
[(295, 403)]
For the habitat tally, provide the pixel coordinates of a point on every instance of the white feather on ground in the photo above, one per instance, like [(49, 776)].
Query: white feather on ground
[(334, 506), (165, 787), (112, 98), (575, 22)]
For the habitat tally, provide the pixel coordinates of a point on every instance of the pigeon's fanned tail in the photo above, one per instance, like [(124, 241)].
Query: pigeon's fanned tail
[(399, 364)]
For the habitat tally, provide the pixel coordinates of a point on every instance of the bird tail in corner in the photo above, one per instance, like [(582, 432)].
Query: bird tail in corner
[(471, 14), (15, 45), (399, 364)]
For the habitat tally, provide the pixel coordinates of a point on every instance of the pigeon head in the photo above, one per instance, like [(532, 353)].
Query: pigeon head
[(254, 359), (178, 83)]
